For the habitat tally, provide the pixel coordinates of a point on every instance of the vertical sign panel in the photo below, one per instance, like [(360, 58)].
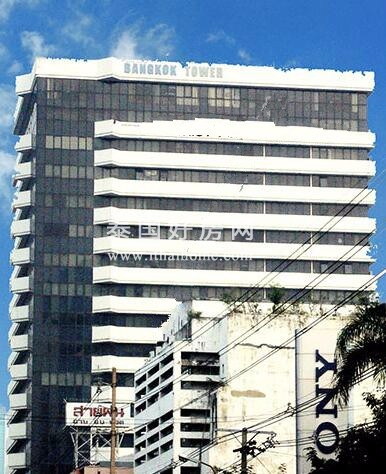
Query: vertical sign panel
[(319, 419)]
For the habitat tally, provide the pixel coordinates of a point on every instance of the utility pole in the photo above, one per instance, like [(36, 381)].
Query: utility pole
[(244, 451), (113, 420)]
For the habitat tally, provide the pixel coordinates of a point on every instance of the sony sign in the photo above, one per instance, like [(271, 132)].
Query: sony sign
[(319, 424), (325, 407)]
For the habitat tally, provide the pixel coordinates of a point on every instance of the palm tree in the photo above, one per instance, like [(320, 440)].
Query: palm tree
[(361, 345)]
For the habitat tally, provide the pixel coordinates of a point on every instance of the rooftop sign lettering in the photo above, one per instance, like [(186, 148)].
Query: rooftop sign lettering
[(146, 68)]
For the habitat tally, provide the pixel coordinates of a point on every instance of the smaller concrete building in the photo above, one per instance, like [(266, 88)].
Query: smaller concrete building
[(214, 375)]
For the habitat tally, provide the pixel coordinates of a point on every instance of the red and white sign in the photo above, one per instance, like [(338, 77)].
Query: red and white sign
[(97, 414)]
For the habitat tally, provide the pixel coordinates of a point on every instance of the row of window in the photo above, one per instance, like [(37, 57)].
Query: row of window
[(345, 110), (186, 232), (105, 378), (188, 90), (128, 320), (184, 293), (253, 207), (69, 171), (236, 264), (234, 177), (122, 350), (65, 378), (67, 260), (238, 149), (69, 142), (152, 96)]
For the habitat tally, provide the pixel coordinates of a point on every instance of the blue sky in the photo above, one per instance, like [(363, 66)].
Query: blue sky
[(331, 34)]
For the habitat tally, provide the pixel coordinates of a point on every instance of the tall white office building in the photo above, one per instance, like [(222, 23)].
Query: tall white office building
[(140, 183)]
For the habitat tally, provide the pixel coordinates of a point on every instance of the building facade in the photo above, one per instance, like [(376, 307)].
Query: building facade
[(141, 183), (221, 371)]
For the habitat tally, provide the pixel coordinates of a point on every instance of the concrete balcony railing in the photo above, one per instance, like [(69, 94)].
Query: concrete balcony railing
[(21, 284), (22, 227), (23, 171), (19, 313), (21, 256), (17, 460), (19, 401), (20, 371), (26, 143), (122, 364), (126, 335), (20, 343), (18, 430), (22, 199)]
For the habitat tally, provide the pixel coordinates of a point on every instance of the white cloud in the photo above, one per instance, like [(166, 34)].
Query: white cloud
[(34, 42), (3, 51), (7, 105), (154, 43), (244, 55), (7, 5), (78, 29), (220, 36), (7, 165), (7, 157), (15, 68)]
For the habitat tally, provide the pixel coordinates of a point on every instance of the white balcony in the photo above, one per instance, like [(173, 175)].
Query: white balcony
[(17, 460), (22, 199), (122, 364), (20, 343), (193, 190), (25, 143), (18, 401), (186, 277), (208, 129), (19, 313), (19, 371), (123, 394), (23, 171), (21, 285), (17, 430), (22, 227), (229, 220), (21, 256), (123, 304), (198, 161), (126, 334)]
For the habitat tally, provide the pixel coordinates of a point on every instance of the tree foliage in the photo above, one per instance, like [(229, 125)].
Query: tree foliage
[(362, 450), (361, 345)]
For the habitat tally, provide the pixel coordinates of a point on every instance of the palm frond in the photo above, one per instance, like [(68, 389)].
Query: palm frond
[(361, 356), (370, 321)]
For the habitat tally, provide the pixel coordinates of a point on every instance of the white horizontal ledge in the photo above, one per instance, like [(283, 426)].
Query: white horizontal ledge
[(122, 364), (196, 161), (156, 247), (161, 276), (126, 334), (247, 192), (114, 215), (230, 131), (132, 305), (123, 394)]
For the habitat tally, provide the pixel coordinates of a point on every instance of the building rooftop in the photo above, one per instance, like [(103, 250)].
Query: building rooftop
[(200, 73)]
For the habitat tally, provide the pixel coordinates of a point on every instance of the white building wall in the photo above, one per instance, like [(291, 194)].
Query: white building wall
[(257, 386)]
